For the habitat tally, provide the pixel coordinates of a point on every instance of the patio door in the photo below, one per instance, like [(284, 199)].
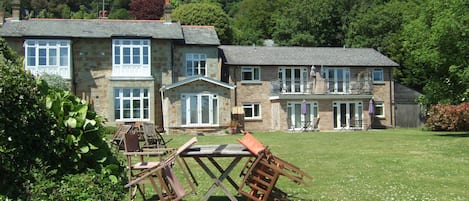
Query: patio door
[(297, 117), (348, 114)]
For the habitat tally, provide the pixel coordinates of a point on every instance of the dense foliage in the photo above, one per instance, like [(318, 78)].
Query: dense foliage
[(47, 133), (205, 14), (449, 117), (147, 9)]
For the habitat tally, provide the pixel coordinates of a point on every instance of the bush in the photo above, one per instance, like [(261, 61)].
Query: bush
[(449, 117), (51, 130), (25, 125), (89, 185)]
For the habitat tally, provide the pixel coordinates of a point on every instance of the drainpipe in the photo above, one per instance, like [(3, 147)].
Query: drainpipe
[(173, 77), (236, 88), (163, 108), (391, 100)]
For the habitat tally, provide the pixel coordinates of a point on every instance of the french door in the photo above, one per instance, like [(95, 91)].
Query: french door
[(347, 114), (297, 117)]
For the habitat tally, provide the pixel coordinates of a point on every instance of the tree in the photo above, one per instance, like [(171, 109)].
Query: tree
[(380, 26), (147, 9), (310, 23), (435, 46), (205, 14), (253, 21)]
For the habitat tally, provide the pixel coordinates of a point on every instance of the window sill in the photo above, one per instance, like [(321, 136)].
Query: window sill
[(379, 82), (253, 119), (131, 78), (251, 82)]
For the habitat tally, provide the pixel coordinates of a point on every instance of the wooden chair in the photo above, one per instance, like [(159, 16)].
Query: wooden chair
[(153, 139), (261, 174), (118, 138), (170, 186)]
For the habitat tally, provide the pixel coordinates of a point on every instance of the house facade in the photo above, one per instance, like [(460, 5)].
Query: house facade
[(130, 70), (290, 88), (181, 79)]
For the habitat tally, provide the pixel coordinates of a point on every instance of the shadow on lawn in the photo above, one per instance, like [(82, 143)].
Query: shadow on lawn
[(466, 134), (241, 198)]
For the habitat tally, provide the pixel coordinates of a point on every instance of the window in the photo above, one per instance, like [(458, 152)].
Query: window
[(379, 109), (252, 110), (377, 75), (131, 104), (338, 80), (196, 64), (131, 57), (293, 80), (48, 56), (199, 110), (250, 74)]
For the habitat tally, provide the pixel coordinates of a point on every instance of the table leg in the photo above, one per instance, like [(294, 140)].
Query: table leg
[(214, 162), (217, 182)]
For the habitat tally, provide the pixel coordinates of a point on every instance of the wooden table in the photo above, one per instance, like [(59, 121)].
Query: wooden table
[(212, 153)]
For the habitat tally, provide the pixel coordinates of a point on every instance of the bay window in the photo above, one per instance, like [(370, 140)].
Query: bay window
[(131, 57), (131, 104), (48, 56)]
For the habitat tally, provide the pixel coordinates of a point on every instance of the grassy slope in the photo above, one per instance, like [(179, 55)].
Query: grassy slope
[(401, 164)]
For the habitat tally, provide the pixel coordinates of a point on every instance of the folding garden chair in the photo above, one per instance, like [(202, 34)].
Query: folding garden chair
[(170, 187), (137, 167), (118, 138), (153, 139), (261, 174)]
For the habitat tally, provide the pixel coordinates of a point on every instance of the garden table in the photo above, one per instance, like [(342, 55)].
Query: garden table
[(213, 152)]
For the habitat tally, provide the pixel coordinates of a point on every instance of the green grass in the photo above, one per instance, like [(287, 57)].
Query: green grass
[(393, 164)]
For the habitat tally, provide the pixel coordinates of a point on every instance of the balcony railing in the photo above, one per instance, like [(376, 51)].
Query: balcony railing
[(323, 86)]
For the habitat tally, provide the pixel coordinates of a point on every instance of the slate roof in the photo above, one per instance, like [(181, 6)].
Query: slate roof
[(303, 56), (201, 35), (101, 28)]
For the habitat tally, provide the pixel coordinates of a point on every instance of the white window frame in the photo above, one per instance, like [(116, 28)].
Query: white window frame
[(295, 119), (379, 104), (195, 116), (255, 110), (292, 83), (40, 58), (250, 74), (138, 63), (334, 84), (196, 64), (377, 79), (120, 97), (341, 122)]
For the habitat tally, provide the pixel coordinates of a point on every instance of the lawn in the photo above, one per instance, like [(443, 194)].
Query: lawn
[(392, 164)]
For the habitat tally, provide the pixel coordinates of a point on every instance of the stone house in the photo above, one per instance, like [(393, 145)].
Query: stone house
[(181, 79), (131, 70), (289, 88)]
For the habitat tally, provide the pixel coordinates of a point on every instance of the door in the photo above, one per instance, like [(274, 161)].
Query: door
[(348, 114), (298, 118)]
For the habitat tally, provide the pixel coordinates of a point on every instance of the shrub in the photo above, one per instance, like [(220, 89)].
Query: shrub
[(51, 130), (443, 117), (25, 131), (89, 185)]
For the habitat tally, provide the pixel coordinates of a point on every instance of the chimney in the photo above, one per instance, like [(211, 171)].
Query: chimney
[(167, 11), (15, 7)]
